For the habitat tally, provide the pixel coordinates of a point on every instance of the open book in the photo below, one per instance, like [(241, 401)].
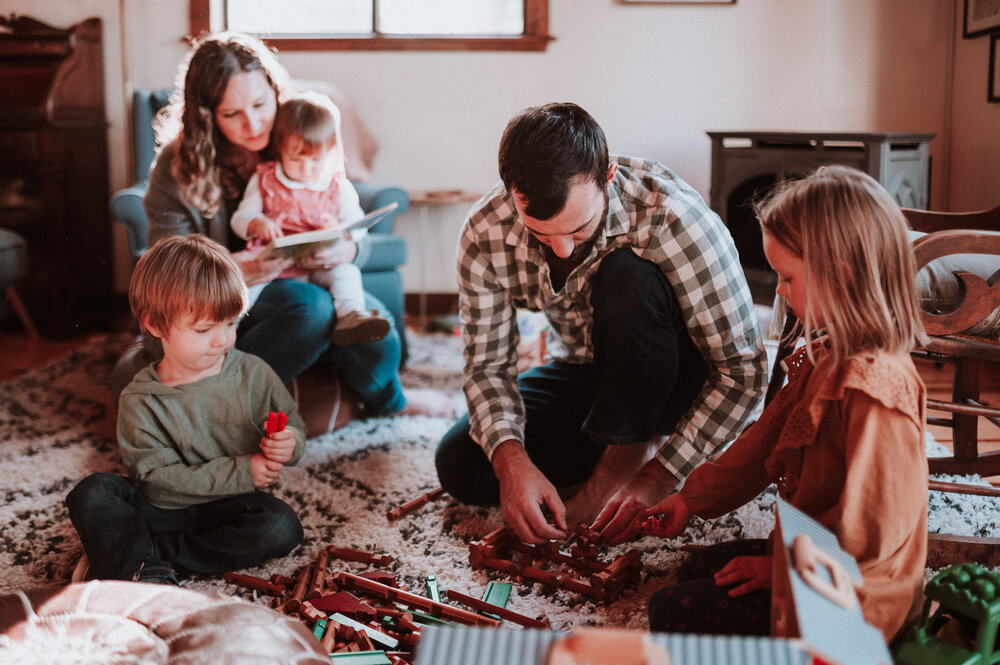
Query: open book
[(297, 245)]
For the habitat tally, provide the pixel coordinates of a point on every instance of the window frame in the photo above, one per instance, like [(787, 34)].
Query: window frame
[(205, 16)]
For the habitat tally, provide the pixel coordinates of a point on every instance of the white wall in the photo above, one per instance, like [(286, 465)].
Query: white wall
[(974, 182), (657, 77)]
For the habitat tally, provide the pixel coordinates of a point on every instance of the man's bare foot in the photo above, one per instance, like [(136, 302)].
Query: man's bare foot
[(428, 402), (616, 467), (584, 506)]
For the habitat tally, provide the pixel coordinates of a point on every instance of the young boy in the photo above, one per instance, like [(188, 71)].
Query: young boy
[(191, 429)]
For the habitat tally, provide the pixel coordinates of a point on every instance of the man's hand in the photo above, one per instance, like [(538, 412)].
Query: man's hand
[(621, 516), (524, 493), (674, 515), (754, 571), (279, 447), (265, 471)]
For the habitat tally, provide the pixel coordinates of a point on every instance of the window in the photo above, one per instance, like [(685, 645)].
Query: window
[(473, 25)]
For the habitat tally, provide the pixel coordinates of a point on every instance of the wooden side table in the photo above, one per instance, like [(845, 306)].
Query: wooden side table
[(424, 199)]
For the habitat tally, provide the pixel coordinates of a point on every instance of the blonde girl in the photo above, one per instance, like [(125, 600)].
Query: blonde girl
[(844, 439)]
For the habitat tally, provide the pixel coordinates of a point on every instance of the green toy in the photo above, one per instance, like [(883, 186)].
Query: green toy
[(961, 629)]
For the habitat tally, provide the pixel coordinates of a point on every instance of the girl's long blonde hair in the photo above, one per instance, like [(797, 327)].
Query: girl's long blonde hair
[(209, 168), (859, 266)]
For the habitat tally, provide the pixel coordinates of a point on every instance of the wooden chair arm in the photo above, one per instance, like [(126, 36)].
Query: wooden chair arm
[(927, 221), (977, 298)]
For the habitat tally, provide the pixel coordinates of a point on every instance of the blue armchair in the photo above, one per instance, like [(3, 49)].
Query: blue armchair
[(380, 273)]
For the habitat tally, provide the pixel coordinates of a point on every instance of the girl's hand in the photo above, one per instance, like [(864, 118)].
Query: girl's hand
[(278, 447), (754, 571), (265, 471), (264, 229), (341, 252), (674, 515)]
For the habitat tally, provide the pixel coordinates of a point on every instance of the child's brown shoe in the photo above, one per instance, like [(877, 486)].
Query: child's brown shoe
[(359, 328)]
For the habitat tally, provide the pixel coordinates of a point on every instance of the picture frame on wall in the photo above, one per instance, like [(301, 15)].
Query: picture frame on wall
[(677, 2), (994, 88), (981, 17)]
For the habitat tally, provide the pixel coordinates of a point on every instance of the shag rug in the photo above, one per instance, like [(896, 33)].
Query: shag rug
[(57, 426)]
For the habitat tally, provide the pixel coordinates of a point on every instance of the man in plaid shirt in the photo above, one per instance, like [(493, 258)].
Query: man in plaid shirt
[(657, 356)]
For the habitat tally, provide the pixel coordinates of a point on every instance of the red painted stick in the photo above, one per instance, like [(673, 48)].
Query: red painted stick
[(275, 422)]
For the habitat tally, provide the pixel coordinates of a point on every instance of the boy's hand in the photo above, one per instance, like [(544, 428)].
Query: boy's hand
[(278, 447), (263, 229), (265, 471)]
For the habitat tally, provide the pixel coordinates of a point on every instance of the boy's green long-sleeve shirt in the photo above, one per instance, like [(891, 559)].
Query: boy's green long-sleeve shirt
[(191, 443)]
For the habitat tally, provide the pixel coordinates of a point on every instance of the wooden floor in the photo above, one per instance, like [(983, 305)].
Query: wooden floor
[(20, 353)]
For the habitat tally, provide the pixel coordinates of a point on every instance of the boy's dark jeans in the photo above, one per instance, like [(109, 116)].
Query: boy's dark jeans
[(122, 532), (646, 374)]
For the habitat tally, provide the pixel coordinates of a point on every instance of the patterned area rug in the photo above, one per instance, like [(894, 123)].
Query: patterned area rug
[(56, 426)]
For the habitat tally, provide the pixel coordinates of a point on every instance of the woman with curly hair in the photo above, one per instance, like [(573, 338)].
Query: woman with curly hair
[(212, 136)]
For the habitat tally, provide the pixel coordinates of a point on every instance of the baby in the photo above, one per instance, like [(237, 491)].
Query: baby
[(306, 190)]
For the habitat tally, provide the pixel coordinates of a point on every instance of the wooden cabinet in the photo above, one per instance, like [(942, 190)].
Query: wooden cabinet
[(54, 168)]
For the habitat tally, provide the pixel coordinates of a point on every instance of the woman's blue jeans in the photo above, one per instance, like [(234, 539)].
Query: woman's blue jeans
[(122, 532), (646, 374), (289, 327)]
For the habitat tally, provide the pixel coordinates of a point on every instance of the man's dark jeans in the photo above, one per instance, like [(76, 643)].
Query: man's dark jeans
[(122, 532), (646, 374)]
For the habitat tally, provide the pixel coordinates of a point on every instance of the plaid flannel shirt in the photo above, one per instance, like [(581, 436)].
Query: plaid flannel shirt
[(501, 268)]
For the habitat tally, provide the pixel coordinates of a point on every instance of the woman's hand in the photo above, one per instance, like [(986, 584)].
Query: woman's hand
[(258, 272), (754, 571), (341, 252)]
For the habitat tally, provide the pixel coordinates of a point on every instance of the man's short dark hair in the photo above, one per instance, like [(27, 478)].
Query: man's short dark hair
[(545, 147)]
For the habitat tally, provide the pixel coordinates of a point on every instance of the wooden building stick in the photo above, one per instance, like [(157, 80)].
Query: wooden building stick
[(413, 600), (361, 556), (255, 583), (502, 612), (410, 506), (319, 575)]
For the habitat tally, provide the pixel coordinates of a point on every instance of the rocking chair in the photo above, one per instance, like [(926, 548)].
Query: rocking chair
[(958, 257)]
